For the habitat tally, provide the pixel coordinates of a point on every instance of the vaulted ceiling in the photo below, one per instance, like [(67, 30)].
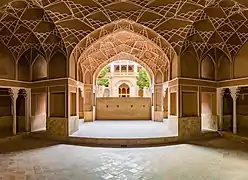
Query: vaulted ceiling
[(50, 25)]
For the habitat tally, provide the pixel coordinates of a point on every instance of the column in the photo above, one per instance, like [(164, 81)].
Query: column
[(27, 96), (234, 94), (13, 92), (158, 102), (88, 103), (220, 96)]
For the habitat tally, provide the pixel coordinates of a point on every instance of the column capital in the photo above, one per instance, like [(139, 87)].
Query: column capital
[(234, 92), (13, 92), (221, 91), (26, 92)]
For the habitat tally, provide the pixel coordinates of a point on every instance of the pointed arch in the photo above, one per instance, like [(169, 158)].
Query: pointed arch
[(224, 68), (241, 63), (189, 64), (208, 68), (39, 68), (7, 67), (57, 66)]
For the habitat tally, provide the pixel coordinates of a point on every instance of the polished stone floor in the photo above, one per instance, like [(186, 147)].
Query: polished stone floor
[(126, 129), (32, 159)]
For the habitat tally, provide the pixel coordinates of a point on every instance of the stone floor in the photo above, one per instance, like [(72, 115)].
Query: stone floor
[(32, 159), (126, 129)]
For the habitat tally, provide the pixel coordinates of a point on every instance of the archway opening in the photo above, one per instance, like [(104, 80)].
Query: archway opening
[(98, 101), (124, 87)]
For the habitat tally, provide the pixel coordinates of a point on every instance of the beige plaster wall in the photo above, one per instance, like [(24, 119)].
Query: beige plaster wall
[(189, 104), (57, 104), (38, 111), (123, 108), (173, 104), (73, 124)]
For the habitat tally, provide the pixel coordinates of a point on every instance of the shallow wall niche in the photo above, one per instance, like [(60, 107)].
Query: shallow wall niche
[(57, 104), (173, 68), (57, 66), (224, 68), (73, 108), (208, 111), (23, 69), (207, 69), (39, 69), (189, 65), (7, 68), (241, 63), (189, 104), (173, 103), (38, 111)]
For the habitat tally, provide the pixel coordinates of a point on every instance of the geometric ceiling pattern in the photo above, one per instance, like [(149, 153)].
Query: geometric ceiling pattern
[(48, 25), (120, 44)]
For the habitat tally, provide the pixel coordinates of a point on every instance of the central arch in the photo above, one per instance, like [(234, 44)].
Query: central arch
[(122, 40)]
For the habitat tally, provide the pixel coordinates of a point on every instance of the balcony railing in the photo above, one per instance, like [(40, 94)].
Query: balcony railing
[(122, 73)]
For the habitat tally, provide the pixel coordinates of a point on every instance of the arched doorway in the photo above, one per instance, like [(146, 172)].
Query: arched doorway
[(124, 90), (117, 89)]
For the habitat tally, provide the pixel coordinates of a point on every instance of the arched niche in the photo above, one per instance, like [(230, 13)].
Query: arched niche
[(207, 69), (88, 78), (224, 68), (57, 66), (189, 65), (241, 63), (173, 68), (7, 67), (159, 77), (23, 69), (80, 75), (39, 68)]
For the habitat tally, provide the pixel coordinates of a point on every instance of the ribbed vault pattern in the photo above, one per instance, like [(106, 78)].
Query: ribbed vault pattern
[(50, 25)]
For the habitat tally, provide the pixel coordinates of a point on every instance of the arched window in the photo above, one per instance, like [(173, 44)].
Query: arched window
[(124, 90)]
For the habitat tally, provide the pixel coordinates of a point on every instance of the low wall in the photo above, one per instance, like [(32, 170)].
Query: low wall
[(123, 108), (189, 127), (38, 122), (209, 122), (73, 124), (57, 126)]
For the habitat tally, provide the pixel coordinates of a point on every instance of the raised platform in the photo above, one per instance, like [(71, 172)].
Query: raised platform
[(123, 134), (125, 129)]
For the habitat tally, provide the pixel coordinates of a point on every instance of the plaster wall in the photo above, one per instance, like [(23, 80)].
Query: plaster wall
[(38, 111), (123, 108)]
